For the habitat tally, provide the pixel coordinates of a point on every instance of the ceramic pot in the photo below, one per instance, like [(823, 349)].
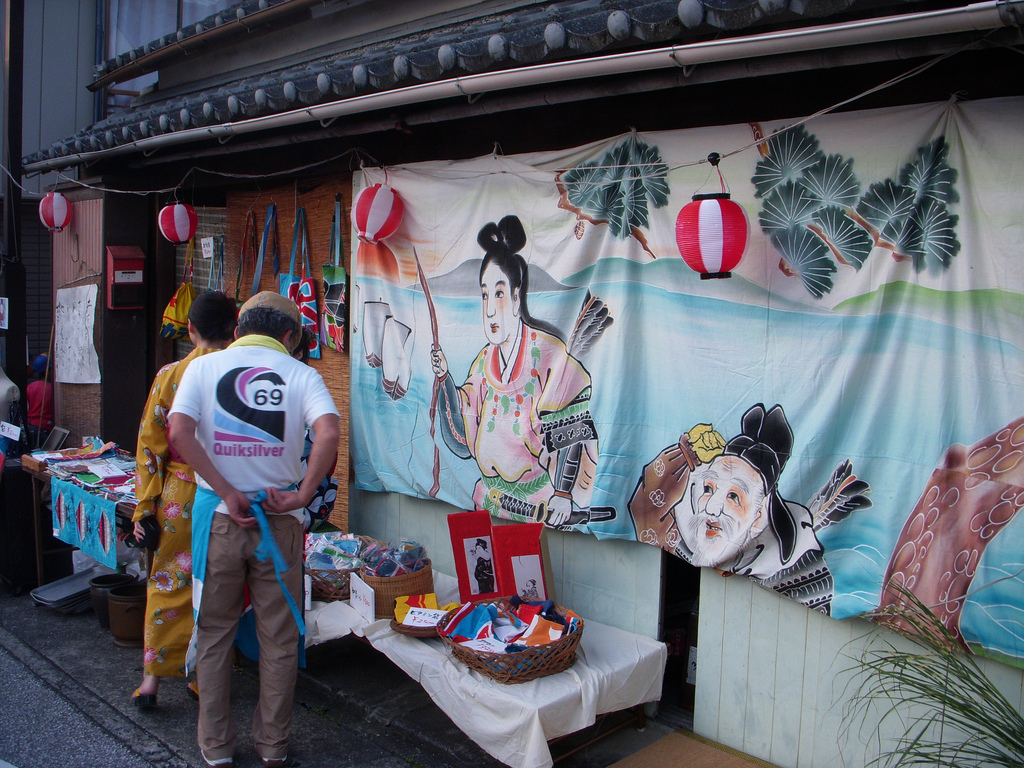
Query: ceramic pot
[(127, 608), (99, 586)]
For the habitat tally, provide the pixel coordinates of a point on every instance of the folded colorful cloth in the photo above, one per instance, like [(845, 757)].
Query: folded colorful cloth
[(471, 622), (541, 632), (527, 612), (404, 603), (527, 609), (507, 627), (476, 622)]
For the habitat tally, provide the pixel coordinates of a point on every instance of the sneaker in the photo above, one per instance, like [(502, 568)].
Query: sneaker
[(222, 762), (274, 762)]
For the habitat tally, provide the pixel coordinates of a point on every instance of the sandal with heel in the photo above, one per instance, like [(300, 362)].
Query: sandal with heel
[(144, 701)]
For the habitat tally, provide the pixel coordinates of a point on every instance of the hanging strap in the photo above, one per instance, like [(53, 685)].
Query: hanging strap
[(306, 271), (258, 272), (277, 251), (222, 243), (330, 248), (336, 232), (215, 282), (268, 548), (248, 246), (186, 276), (299, 227)]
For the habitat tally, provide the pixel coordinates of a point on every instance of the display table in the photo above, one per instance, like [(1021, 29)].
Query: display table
[(25, 549), (43, 521), (614, 670)]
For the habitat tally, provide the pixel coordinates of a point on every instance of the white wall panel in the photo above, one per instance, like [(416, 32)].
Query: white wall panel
[(1008, 680), (711, 656), (735, 668), (797, 720), (806, 716), (615, 582), (789, 681), (761, 687)]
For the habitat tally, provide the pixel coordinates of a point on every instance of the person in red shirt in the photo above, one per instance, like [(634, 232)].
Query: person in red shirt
[(39, 395)]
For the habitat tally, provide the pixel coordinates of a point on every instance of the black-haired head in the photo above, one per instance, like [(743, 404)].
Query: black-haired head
[(213, 314), (766, 442), (502, 242)]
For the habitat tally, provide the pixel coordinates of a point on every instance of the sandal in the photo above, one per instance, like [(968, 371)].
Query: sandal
[(144, 701), (193, 690)]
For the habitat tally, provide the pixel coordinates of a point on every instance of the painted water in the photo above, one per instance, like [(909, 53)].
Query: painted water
[(890, 392)]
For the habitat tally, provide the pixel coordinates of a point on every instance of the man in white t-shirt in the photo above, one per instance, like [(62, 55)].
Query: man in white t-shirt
[(239, 419)]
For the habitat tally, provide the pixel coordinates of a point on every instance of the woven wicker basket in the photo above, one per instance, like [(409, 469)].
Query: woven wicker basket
[(387, 589), (522, 666), (330, 585)]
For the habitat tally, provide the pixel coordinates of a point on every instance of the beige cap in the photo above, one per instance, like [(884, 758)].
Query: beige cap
[(271, 300)]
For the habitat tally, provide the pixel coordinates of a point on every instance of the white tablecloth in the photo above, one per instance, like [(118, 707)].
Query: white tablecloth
[(614, 670)]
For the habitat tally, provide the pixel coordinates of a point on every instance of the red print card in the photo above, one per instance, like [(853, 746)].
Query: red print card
[(473, 551), (518, 551)]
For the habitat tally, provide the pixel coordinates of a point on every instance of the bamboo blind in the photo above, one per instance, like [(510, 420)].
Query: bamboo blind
[(316, 195)]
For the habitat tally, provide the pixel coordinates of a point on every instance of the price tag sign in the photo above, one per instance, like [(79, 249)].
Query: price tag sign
[(424, 617), (362, 598), (207, 245), (10, 431)]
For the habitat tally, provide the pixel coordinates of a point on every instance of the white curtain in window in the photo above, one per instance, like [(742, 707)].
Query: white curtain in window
[(131, 24), (195, 10)]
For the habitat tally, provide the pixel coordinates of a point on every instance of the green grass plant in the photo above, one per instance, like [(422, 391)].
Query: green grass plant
[(933, 703)]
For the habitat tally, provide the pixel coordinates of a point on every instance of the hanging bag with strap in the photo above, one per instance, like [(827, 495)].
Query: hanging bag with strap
[(175, 319), (335, 282), (302, 290), (215, 281), (269, 237), (248, 249)]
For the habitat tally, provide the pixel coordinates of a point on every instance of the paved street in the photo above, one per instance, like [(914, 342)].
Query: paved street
[(45, 723), (66, 690)]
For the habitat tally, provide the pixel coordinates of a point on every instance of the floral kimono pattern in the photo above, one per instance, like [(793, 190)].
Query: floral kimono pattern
[(166, 488), (507, 414)]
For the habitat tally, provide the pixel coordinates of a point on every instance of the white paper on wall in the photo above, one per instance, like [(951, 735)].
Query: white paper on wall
[(74, 350)]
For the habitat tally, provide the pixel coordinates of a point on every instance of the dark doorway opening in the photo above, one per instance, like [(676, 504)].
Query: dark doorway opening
[(680, 602)]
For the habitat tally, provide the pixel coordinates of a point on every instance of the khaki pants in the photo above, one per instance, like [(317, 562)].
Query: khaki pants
[(231, 564)]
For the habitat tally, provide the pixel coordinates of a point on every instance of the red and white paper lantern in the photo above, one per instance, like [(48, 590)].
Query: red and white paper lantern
[(377, 213), (55, 211), (712, 233), (178, 222)]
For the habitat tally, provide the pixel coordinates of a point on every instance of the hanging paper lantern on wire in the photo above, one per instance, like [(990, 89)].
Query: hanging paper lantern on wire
[(377, 213), (712, 232), (178, 222), (55, 211)]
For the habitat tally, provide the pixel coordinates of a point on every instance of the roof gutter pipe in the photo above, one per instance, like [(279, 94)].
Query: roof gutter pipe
[(981, 16)]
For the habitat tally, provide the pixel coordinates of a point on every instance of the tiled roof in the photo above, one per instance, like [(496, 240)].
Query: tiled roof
[(533, 34)]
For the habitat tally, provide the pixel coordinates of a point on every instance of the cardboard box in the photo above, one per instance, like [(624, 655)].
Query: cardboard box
[(33, 463)]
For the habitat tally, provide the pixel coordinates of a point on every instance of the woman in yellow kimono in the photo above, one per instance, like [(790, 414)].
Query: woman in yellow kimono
[(165, 489)]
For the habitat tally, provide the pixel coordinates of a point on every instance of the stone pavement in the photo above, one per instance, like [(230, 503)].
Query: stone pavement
[(66, 703)]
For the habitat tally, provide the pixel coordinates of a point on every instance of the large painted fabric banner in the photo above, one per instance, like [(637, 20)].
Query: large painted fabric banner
[(841, 413)]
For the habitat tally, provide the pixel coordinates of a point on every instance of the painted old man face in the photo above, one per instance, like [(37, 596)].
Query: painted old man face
[(500, 305), (728, 510)]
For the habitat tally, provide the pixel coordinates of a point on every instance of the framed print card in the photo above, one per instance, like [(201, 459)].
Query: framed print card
[(522, 571), (473, 551)]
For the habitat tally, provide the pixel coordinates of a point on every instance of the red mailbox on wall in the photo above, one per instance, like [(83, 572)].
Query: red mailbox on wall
[(125, 288)]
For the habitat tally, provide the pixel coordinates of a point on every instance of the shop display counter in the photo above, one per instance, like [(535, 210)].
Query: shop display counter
[(614, 671), (45, 543)]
